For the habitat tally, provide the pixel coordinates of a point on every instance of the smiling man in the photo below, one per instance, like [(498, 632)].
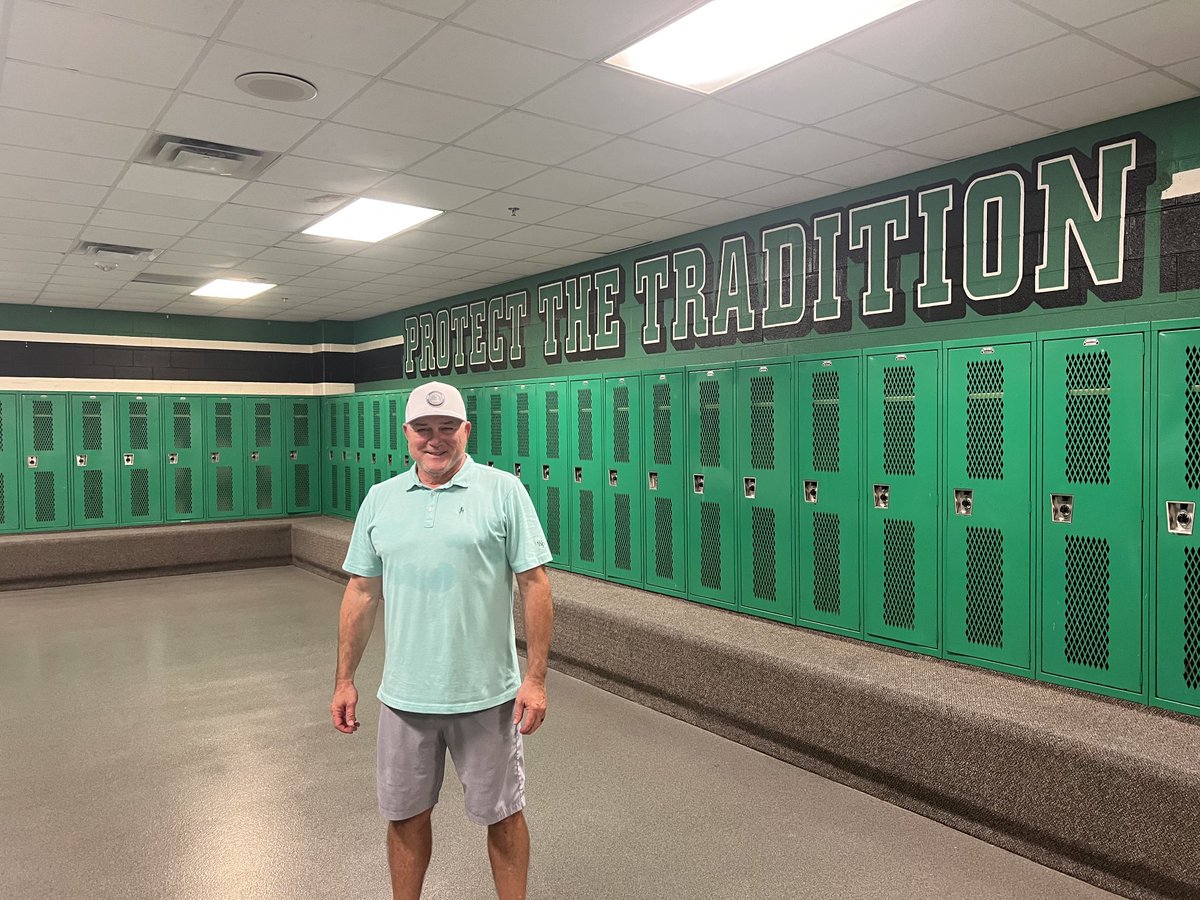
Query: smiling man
[(438, 547)]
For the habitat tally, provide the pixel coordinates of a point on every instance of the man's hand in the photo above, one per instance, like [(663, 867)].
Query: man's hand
[(345, 701), (530, 705)]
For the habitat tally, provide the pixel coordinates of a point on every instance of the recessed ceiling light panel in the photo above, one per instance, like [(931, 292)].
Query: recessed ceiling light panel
[(230, 289), (276, 86), (371, 220)]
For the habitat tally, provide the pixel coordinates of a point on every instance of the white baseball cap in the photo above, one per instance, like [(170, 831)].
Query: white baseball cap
[(435, 398)]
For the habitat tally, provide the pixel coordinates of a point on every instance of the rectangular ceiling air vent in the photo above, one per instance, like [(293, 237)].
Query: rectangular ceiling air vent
[(171, 151), (183, 281), (116, 252)]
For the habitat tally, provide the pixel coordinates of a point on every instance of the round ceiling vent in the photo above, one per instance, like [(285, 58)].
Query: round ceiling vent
[(276, 86)]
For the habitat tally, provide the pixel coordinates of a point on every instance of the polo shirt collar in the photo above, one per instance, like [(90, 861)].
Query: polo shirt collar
[(462, 478)]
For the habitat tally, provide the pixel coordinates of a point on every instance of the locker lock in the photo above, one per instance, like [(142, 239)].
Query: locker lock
[(127, 459), (372, 459), (1062, 507), (652, 481), (748, 487), (881, 496), (964, 502), (254, 455), (579, 474), (292, 454), (491, 464), (545, 473), (31, 462), (81, 460), (612, 477), (389, 459), (698, 484), (407, 461), (517, 469), (173, 458), (1181, 516), (215, 457), (331, 454), (810, 492), (345, 456)]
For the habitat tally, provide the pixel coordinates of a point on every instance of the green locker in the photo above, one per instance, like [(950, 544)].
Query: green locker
[(361, 454), (712, 564), (94, 487), (225, 446), (375, 456), (498, 402), (622, 489), (763, 486), (1093, 433), (480, 427), (10, 457), (828, 455), (265, 476), (1176, 613), (396, 444), (585, 522), (183, 458), (331, 455), (45, 489), (349, 458), (900, 579), (664, 481), (555, 408), (986, 501), (527, 439), (302, 467), (140, 470)]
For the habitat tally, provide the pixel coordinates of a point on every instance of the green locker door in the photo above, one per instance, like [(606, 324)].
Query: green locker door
[(527, 440), (331, 458), (376, 454), (664, 482), (94, 487), (395, 444), (265, 477), (140, 470), (622, 479), (900, 499), (1176, 625), (349, 458), (827, 483), (363, 440), (10, 457), (501, 426), (302, 464), (1093, 421), (555, 410), (585, 524), (45, 489), (183, 458), (480, 436), (712, 564), (763, 486), (987, 606), (225, 446)]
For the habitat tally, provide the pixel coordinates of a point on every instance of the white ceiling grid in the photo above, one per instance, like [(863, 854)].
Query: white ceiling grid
[(478, 106)]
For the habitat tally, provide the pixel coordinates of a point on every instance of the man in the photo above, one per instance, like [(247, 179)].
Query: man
[(439, 546)]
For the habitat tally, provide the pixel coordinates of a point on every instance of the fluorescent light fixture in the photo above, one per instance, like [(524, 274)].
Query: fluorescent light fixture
[(371, 220), (725, 41), (230, 289)]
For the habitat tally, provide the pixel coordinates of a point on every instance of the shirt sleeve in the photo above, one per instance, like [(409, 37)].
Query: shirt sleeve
[(361, 558), (527, 547)]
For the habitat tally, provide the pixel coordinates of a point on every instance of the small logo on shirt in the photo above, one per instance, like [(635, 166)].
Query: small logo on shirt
[(461, 510)]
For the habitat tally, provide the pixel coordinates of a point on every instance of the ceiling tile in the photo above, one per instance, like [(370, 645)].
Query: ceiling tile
[(714, 128), (255, 217), (571, 187), (719, 178), (39, 210), (632, 160), (70, 300), (425, 192), (544, 236), (484, 170), (608, 243), (268, 268), (652, 201), (525, 136), (597, 221), (908, 117), (129, 304), (160, 204), (321, 176), (99, 44), (1160, 35), (176, 183), (362, 267), (226, 249), (804, 151), (719, 212), (980, 137), (420, 239), (197, 263), (296, 257), (608, 99), (361, 37), (1082, 13), (439, 9), (216, 231), (877, 167), (47, 243), (1128, 95), (416, 113), (481, 67), (288, 199), (153, 239), (64, 93), (787, 193), (232, 123), (112, 218), (406, 255), (29, 256), (1188, 71), (31, 129), (360, 147), (59, 166), (1054, 69), (20, 187), (471, 226), (194, 17), (556, 258), (505, 250)]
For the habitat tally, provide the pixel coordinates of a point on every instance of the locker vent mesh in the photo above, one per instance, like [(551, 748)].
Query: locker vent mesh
[(1089, 425), (377, 422), (899, 580), (664, 544), (899, 420), (662, 424), (183, 491), (710, 423), (552, 424), (300, 427), (378, 476), (45, 509), (3, 427), (393, 424), (710, 545), (621, 424), (303, 490), (472, 401), (762, 422), (1191, 617), (264, 496), (587, 530), (224, 488), (360, 409), (362, 484), (43, 427), (262, 425), (554, 519), (224, 425), (139, 493), (1191, 445), (826, 421), (985, 419), (139, 425), (985, 587), (3, 505), (183, 426), (93, 494), (346, 424), (523, 424), (93, 426), (621, 528), (334, 495), (497, 427), (1087, 602), (347, 491), (762, 540), (584, 400), (827, 570)]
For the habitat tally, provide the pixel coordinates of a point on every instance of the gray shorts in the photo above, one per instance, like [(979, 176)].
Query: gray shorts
[(487, 752)]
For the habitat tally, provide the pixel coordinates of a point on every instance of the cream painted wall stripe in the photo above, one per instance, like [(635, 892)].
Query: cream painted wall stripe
[(47, 337), (184, 388)]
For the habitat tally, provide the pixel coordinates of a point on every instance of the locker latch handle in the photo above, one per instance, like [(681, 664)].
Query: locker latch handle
[(1181, 516), (579, 474), (612, 477), (652, 481), (127, 459), (389, 459), (292, 454), (215, 457), (31, 462), (545, 473), (331, 454), (81, 460), (698, 484), (810, 492), (372, 459), (882, 493), (254, 455), (345, 456), (964, 501), (1062, 508), (491, 464), (748, 487), (517, 469)]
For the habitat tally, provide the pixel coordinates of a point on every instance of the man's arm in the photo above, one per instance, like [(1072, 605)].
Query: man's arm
[(360, 602), (534, 586)]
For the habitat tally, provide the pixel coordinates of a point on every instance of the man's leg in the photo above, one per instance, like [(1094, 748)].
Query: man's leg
[(409, 844), (508, 850)]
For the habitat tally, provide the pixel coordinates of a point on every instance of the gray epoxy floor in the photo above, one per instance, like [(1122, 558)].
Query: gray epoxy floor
[(170, 738)]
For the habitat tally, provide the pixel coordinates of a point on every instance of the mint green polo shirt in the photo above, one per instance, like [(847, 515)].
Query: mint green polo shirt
[(447, 557)]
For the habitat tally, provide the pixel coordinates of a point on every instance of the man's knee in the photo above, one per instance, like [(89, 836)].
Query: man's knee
[(420, 820)]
